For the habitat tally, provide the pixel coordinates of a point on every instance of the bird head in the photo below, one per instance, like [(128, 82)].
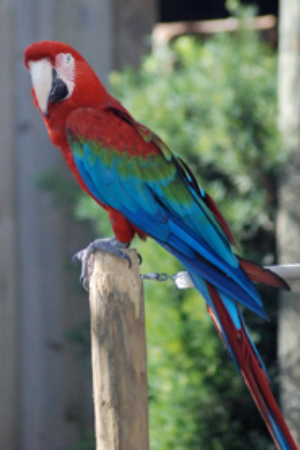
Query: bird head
[(61, 79)]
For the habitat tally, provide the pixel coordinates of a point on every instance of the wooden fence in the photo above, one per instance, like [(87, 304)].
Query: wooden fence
[(44, 394)]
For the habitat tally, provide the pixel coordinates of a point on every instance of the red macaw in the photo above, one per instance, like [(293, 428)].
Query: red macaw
[(148, 191)]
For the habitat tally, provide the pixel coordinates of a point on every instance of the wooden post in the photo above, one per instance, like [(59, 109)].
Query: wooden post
[(119, 354)]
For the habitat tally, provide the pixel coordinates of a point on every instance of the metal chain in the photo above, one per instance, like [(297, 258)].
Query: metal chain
[(154, 276)]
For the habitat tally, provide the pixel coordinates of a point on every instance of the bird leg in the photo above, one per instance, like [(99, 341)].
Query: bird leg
[(86, 256)]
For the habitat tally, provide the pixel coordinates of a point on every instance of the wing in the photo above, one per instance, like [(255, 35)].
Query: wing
[(127, 167)]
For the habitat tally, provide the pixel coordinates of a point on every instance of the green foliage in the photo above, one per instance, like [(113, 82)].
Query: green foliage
[(214, 103)]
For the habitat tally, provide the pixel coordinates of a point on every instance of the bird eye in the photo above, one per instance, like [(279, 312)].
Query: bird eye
[(68, 58)]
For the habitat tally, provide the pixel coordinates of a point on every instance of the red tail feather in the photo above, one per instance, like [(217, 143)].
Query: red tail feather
[(259, 274), (215, 210), (251, 369)]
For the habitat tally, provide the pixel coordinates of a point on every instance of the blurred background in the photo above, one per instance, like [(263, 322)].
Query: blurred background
[(219, 82)]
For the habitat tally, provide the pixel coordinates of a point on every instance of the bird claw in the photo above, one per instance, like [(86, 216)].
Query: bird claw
[(140, 259), (85, 256), (84, 283), (123, 255), (77, 257)]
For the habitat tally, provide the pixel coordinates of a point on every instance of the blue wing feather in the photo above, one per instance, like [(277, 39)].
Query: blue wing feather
[(184, 229)]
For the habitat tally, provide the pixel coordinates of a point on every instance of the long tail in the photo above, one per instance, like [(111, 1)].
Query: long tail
[(231, 327), (262, 275)]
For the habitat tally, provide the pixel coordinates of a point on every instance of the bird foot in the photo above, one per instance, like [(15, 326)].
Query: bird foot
[(86, 256)]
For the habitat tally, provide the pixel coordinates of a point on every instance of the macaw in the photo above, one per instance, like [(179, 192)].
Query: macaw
[(148, 191)]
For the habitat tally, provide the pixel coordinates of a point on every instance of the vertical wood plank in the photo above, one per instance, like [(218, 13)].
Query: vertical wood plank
[(288, 224), (87, 26), (52, 386), (40, 252), (133, 21), (8, 238)]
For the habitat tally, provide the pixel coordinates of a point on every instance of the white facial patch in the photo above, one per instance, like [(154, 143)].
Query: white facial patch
[(65, 67), (41, 77)]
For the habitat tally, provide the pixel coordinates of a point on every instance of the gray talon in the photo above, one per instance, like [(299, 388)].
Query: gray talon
[(75, 259), (125, 256), (84, 283), (112, 246), (140, 259), (79, 256)]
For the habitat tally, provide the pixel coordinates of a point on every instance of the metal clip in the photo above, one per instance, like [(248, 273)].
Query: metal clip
[(156, 276)]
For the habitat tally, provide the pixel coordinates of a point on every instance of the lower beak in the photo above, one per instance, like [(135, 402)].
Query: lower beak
[(59, 89)]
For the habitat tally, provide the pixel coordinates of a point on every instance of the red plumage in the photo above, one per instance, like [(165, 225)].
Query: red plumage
[(249, 365), (259, 274), (88, 92)]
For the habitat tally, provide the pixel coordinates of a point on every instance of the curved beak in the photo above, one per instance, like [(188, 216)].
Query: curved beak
[(41, 77), (48, 87)]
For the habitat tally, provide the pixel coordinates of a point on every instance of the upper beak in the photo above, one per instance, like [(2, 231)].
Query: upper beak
[(41, 77)]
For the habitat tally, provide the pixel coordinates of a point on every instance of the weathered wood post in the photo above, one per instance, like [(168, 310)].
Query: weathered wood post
[(118, 354)]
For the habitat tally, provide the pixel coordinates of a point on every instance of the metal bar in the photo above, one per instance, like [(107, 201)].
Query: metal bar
[(288, 272)]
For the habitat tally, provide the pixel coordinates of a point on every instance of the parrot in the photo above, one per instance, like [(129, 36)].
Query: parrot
[(149, 191)]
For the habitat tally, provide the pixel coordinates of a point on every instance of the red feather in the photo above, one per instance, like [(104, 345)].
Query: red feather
[(259, 274), (88, 91), (250, 367), (222, 222)]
